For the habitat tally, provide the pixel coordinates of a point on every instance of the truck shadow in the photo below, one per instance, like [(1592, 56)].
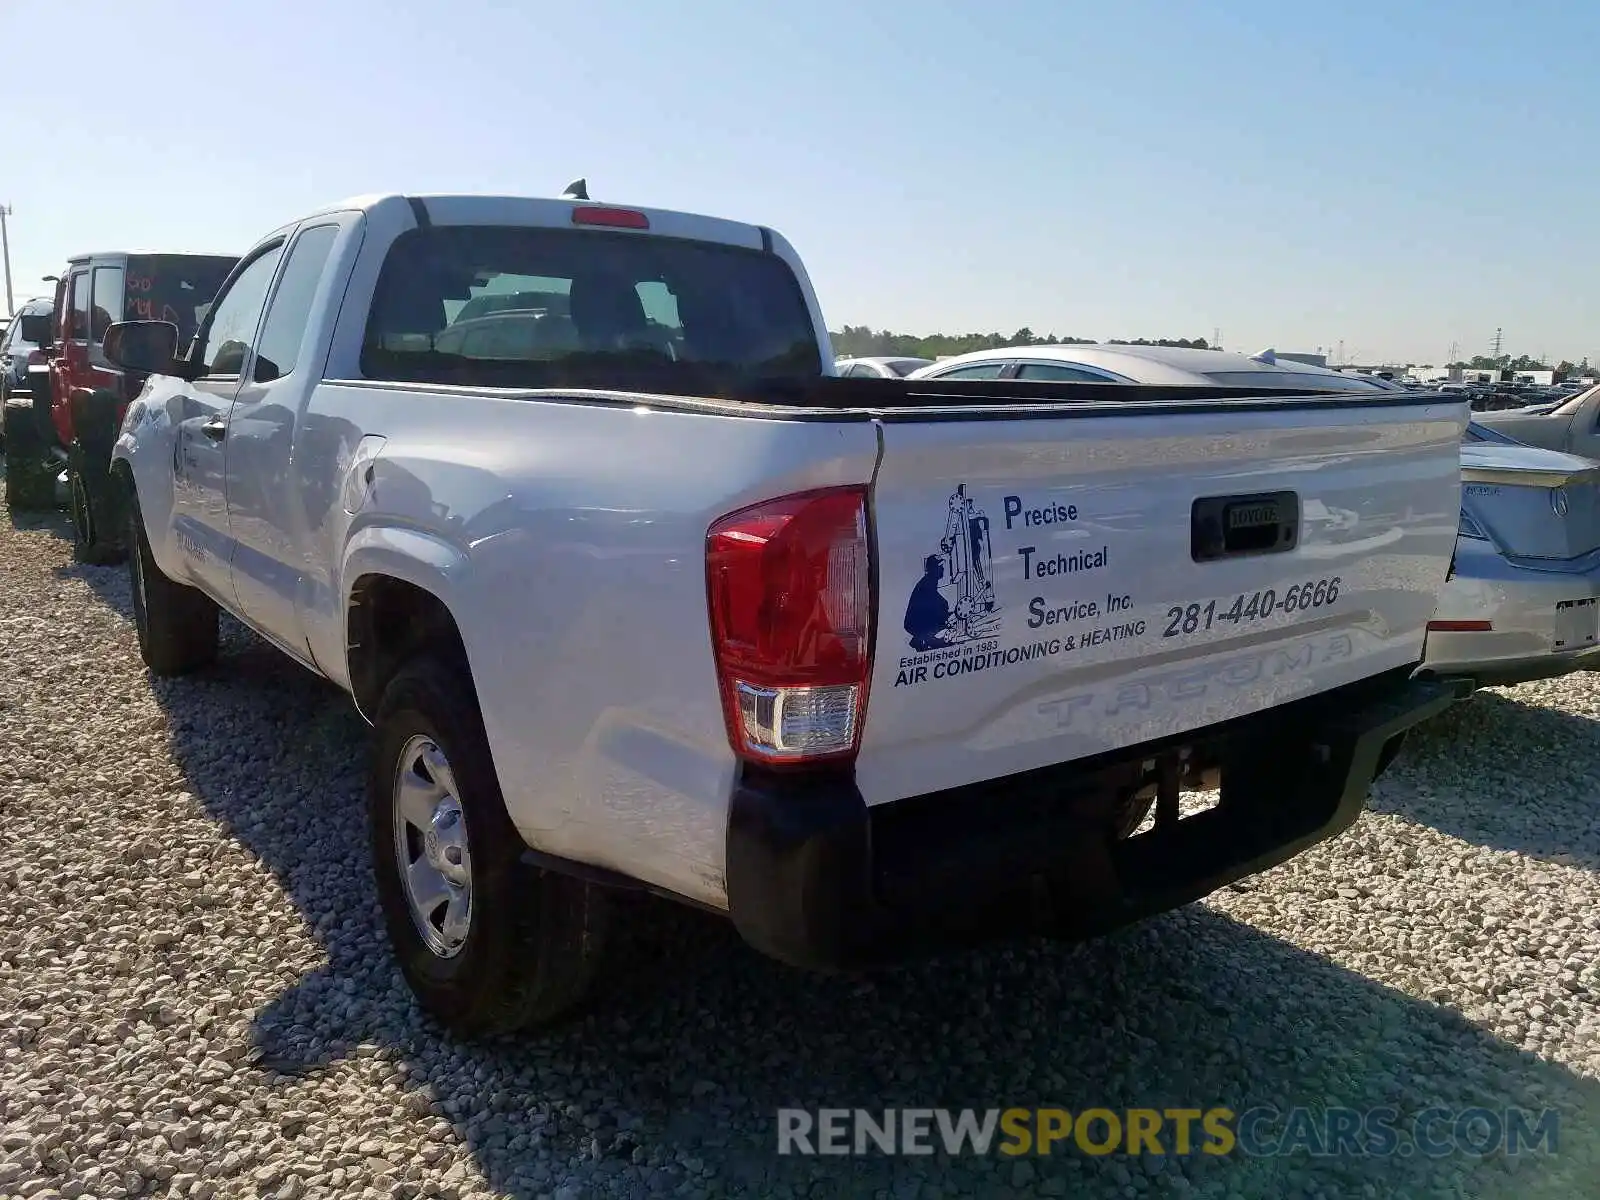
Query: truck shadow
[(1190, 1010), (1543, 804)]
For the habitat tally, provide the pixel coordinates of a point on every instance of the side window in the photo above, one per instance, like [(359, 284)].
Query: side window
[(78, 316), (1062, 372), (286, 321), (988, 370), (233, 319), (107, 303)]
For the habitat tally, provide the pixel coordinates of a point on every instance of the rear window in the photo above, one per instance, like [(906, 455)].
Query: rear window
[(174, 287), (532, 307)]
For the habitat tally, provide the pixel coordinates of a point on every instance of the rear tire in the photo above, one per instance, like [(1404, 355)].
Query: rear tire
[(90, 503), (1131, 814), (530, 942), (177, 624), (95, 499)]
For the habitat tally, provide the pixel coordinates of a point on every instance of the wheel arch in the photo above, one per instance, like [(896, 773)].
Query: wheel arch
[(389, 617)]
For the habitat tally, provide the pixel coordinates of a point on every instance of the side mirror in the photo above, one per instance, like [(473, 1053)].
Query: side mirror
[(147, 346), (35, 328), (39, 383)]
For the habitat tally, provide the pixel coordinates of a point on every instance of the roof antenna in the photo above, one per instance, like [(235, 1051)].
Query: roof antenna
[(1268, 356), (578, 189)]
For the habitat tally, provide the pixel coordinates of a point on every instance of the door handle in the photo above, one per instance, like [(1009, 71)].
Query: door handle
[(216, 429)]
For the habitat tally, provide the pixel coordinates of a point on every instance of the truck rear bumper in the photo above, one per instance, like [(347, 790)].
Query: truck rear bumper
[(818, 879)]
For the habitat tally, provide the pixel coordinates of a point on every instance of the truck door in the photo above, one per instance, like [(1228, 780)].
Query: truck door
[(71, 365), (199, 497), (106, 299), (263, 513)]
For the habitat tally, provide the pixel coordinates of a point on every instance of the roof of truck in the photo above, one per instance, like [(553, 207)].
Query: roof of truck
[(468, 208), (75, 259)]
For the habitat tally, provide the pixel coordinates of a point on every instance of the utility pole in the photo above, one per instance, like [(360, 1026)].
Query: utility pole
[(1497, 340), (5, 248)]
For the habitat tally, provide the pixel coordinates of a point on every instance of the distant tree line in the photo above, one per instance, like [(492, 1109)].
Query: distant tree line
[(861, 341), (1522, 362)]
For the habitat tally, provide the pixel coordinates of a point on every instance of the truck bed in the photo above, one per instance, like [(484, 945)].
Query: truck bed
[(1106, 634)]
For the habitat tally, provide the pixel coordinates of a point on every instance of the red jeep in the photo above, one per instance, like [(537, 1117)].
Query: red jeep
[(87, 395)]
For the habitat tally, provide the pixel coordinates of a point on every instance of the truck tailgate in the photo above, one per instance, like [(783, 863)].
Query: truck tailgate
[(1054, 587)]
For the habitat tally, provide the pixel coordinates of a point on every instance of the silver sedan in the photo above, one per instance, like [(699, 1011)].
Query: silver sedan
[(1522, 600)]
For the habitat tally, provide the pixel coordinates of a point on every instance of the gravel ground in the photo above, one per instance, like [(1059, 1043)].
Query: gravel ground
[(196, 999)]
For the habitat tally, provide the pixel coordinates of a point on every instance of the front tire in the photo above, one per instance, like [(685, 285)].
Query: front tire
[(487, 943), (177, 624)]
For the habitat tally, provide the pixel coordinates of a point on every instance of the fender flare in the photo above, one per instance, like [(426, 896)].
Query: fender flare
[(423, 560)]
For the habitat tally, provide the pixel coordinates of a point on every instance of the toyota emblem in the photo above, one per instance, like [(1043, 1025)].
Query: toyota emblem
[(1559, 501)]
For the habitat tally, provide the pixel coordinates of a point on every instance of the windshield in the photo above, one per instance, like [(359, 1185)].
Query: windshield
[(174, 287), (534, 307)]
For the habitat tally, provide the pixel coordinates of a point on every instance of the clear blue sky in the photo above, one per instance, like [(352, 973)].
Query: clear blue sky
[(1395, 176)]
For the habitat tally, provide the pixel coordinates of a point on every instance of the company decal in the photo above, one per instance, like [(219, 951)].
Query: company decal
[(957, 618), (954, 615)]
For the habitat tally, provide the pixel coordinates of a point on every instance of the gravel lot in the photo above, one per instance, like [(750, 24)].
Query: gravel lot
[(196, 1000)]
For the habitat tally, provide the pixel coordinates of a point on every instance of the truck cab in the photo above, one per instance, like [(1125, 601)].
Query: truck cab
[(87, 394)]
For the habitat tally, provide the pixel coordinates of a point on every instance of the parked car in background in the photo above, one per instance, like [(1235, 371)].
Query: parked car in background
[(878, 368), (1572, 426), (16, 351), (643, 596), (87, 393), (1173, 365), (27, 431), (1521, 599)]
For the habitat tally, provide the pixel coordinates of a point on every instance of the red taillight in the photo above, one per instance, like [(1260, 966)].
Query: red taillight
[(787, 585), (1460, 626), (616, 218)]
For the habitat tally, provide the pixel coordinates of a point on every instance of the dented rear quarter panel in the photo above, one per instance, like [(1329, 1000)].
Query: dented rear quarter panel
[(568, 542)]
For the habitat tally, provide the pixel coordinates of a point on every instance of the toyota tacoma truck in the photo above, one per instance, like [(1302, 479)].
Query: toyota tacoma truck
[(635, 592)]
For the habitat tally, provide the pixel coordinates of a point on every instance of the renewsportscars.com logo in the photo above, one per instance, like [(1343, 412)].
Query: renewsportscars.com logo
[(1262, 1131)]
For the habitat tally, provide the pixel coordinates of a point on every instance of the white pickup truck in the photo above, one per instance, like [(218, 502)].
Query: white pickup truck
[(635, 592)]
